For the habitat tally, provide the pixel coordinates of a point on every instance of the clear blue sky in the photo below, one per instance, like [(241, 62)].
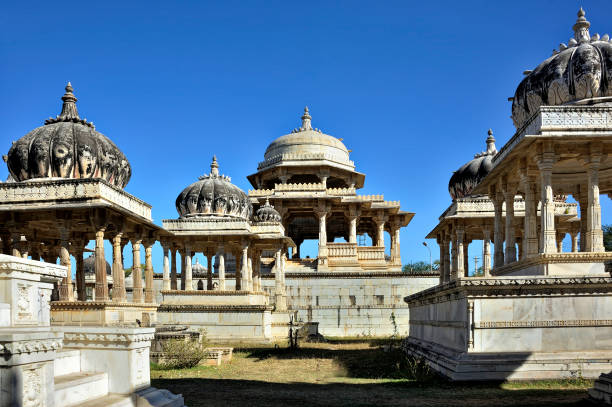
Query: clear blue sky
[(411, 87)]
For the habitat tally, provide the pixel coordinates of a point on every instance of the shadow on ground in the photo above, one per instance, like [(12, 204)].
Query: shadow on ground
[(227, 393)]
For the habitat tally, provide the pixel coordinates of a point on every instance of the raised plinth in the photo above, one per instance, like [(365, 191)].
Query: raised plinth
[(514, 328), (102, 313), (558, 264)]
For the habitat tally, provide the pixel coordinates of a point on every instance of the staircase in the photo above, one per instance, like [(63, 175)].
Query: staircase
[(301, 266), (75, 388)]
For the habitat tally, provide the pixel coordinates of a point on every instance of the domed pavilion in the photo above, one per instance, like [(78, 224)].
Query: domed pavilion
[(540, 311), (66, 187)]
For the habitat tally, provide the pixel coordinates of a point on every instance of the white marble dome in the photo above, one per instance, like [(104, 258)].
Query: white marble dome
[(307, 144)]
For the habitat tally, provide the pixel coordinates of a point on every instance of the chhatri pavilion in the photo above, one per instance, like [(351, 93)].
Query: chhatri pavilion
[(538, 312)]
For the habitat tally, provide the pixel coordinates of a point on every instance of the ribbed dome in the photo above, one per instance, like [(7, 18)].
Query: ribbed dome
[(579, 71), (68, 147), (89, 265), (213, 195), (308, 143), (470, 174), (267, 213)]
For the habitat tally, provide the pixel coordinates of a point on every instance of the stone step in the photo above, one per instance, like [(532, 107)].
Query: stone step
[(76, 388), (110, 400), (66, 362)]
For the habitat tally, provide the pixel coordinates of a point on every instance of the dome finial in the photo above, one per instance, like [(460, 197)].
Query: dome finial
[(69, 109), (306, 120), (491, 149), (214, 167), (581, 28)]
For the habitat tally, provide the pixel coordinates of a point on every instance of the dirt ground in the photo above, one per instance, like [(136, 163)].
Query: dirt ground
[(348, 373)]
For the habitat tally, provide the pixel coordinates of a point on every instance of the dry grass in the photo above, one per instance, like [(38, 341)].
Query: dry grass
[(345, 373)]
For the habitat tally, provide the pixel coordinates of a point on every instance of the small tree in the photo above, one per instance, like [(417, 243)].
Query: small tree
[(128, 271), (420, 267), (607, 237)]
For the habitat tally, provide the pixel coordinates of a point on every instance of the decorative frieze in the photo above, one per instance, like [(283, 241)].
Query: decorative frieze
[(543, 324), (8, 349)]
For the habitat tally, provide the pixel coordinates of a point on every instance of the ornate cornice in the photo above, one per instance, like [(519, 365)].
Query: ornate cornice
[(353, 274), (8, 349), (490, 287), (99, 305), (93, 338)]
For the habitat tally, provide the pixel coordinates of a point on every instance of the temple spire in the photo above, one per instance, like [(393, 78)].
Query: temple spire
[(69, 109), (306, 120), (214, 167), (581, 28)]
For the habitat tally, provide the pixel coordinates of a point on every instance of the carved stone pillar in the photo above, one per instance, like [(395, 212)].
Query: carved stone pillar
[(583, 203), (460, 268), (545, 164), (279, 292), (257, 271), (559, 240), (183, 268), (486, 251), (66, 292), (440, 241), (454, 256), (321, 213), (221, 255), (380, 230), (188, 274), (238, 261), (250, 272), (166, 281), (498, 235), (574, 235), (510, 252), (77, 252), (148, 244), (173, 285), (530, 232), (118, 273), (136, 272), (244, 270), (447, 258), (101, 291), (210, 254), (594, 234), (466, 259)]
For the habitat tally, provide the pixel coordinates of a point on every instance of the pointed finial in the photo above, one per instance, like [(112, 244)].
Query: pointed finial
[(214, 167), (306, 120), (581, 28), (491, 149), (69, 109)]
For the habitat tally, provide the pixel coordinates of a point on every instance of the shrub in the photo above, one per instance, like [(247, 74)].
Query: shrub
[(181, 354)]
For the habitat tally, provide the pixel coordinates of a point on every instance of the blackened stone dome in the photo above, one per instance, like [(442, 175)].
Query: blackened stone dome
[(579, 72), (89, 265), (68, 147), (213, 195), (267, 213), (465, 179)]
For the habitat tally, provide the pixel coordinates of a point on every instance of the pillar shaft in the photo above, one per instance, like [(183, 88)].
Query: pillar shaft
[(166, 282), (188, 274), (136, 272), (594, 234), (80, 272), (549, 241), (486, 252), (244, 270), (498, 235), (238, 260), (352, 229), (101, 291), (149, 271), (574, 241), (530, 225), (118, 273), (510, 251), (173, 285), (66, 292), (209, 259), (279, 291), (221, 255)]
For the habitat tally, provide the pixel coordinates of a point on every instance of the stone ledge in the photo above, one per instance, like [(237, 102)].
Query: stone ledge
[(213, 308), (514, 286), (98, 305)]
